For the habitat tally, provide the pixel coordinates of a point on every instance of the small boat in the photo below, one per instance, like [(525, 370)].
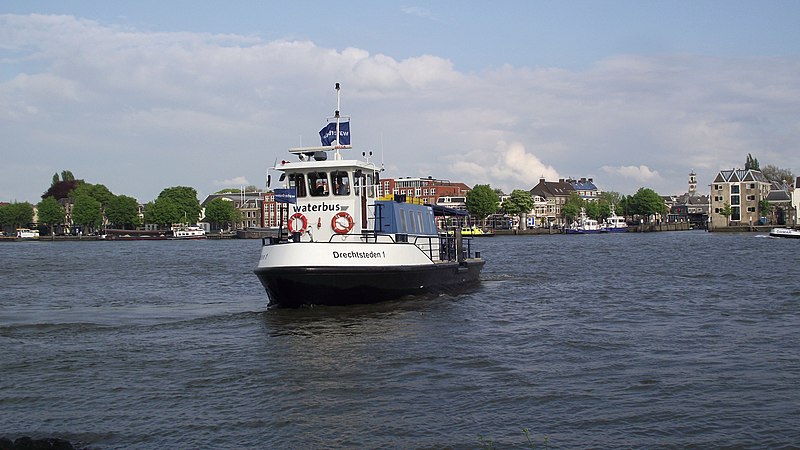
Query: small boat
[(473, 231), (785, 233), (585, 225), (345, 245), (27, 233), (188, 232), (615, 224)]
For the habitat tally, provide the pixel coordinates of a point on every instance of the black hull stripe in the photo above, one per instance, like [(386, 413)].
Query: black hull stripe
[(296, 286)]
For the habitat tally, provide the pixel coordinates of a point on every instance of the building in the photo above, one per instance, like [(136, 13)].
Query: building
[(735, 198), (428, 189), (781, 212), (553, 195), (272, 212), (458, 203), (585, 188), (689, 207), (249, 205), (796, 199)]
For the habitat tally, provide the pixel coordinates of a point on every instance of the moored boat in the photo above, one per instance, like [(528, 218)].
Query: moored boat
[(615, 224), (188, 232), (27, 233), (785, 233), (345, 245), (472, 231), (584, 225)]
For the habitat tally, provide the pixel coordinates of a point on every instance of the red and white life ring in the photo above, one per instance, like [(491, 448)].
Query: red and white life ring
[(338, 226), (303, 222)]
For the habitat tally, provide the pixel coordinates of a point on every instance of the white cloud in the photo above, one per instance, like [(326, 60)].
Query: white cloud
[(141, 111), (641, 174), (233, 182), (508, 166)]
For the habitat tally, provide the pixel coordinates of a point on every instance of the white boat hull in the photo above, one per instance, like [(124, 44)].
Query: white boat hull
[(785, 233), (297, 274)]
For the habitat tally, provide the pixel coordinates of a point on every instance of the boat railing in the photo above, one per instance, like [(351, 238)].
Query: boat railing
[(441, 247)]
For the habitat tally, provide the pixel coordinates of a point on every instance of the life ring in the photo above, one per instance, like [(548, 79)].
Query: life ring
[(303, 221), (337, 226)]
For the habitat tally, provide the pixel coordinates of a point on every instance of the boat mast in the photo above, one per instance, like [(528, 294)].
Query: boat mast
[(337, 156)]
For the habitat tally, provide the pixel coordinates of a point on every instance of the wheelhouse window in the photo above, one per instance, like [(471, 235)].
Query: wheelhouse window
[(318, 184), (370, 185), (341, 183), (297, 181)]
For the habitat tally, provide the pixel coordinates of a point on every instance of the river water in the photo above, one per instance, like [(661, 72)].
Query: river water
[(675, 339)]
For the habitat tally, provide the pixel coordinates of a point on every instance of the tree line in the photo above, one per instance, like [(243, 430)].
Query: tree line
[(483, 201), (94, 207)]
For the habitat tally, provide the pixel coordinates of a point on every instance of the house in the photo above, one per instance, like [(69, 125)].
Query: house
[(735, 198), (248, 203), (273, 213), (428, 189), (795, 191), (585, 188), (554, 194), (780, 201)]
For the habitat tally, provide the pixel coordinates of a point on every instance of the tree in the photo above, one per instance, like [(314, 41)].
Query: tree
[(572, 207), (647, 202), (520, 201), (751, 163), (16, 215), (593, 210), (61, 189), (625, 206), (51, 213), (185, 200), (122, 211), (87, 212), (774, 173), (726, 210), (221, 212), (482, 201), (97, 191), (162, 211), (764, 207)]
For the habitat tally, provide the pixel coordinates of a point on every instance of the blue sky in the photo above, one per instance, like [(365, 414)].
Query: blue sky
[(145, 95)]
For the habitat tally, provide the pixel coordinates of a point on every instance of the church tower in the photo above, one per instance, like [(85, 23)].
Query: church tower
[(692, 184)]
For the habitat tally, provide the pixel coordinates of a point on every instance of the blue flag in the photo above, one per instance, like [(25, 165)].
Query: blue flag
[(328, 133), (286, 195)]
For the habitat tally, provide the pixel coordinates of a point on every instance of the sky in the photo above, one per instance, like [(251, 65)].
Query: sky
[(141, 96)]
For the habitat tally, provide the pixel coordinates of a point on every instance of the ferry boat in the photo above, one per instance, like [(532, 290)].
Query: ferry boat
[(785, 233), (345, 245)]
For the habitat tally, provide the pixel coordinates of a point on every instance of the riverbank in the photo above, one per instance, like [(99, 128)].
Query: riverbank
[(261, 233)]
